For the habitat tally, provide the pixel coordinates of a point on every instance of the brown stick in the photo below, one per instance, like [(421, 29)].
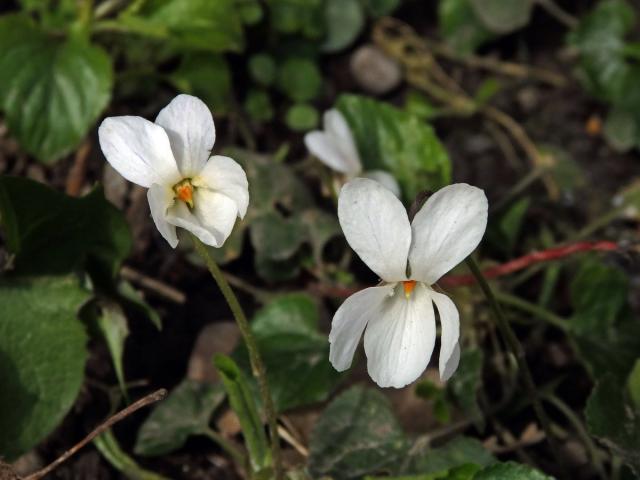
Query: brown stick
[(143, 402), (156, 286), (76, 176)]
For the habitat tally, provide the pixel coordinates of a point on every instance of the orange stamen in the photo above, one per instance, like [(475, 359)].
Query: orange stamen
[(408, 286), (185, 193)]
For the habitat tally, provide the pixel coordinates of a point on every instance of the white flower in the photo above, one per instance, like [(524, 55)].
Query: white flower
[(398, 315), (187, 187), (336, 148)]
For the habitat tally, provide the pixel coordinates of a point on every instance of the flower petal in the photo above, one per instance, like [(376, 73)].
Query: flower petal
[(225, 175), (189, 125), (450, 323), (349, 322), (325, 149), (160, 200), (139, 150), (376, 226), (211, 220), (385, 179), (337, 128), (446, 230), (400, 340)]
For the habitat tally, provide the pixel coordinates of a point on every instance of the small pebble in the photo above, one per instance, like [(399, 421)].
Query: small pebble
[(374, 71)]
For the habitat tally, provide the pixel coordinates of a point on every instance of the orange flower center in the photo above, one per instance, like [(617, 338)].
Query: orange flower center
[(408, 286), (184, 192)]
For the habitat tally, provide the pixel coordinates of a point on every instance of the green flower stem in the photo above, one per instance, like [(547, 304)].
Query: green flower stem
[(533, 309), (257, 366), (518, 352), (238, 456)]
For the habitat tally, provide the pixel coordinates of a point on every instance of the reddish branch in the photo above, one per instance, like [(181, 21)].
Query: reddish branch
[(497, 271)]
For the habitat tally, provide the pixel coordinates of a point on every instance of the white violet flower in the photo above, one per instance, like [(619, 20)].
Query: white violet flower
[(409, 258), (188, 188), (336, 148)]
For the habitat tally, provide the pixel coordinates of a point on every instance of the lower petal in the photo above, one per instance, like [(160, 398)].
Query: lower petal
[(399, 341), (349, 322), (160, 200), (450, 323), (225, 175)]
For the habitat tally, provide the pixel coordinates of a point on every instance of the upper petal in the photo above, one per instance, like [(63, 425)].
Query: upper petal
[(349, 322), (211, 220), (139, 150), (226, 176), (450, 323), (446, 230), (329, 152), (189, 124), (336, 126), (160, 200), (376, 226), (400, 340)]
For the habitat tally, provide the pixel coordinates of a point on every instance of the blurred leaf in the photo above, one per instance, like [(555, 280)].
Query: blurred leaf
[(108, 446), (301, 117), (42, 358), (460, 26), (206, 76), (276, 237), (503, 16), (185, 412), (297, 16), (613, 418), (402, 144), (600, 39), (344, 20), (250, 11), (380, 8), (621, 129), (244, 404), (262, 69), (511, 222), (113, 326), (133, 298), (565, 171), (199, 24), (419, 105), (83, 232), (486, 91), (292, 348), (299, 79), (357, 434), (466, 383), (51, 91), (510, 471), (634, 385), (321, 227), (603, 328), (457, 452), (463, 472), (258, 106)]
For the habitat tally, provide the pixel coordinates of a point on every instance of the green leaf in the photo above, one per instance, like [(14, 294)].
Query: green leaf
[(321, 227), (258, 106), (293, 16), (299, 79), (250, 11), (292, 348), (460, 26), (503, 16), (262, 69), (615, 420), (466, 383), (42, 357), (301, 117), (400, 143), (243, 403), (600, 39), (463, 472), (344, 20), (197, 24), (51, 90), (621, 129), (458, 452), (185, 412), (206, 76), (380, 8), (113, 326), (108, 446), (511, 222), (276, 237), (84, 232), (131, 297), (357, 434), (510, 471)]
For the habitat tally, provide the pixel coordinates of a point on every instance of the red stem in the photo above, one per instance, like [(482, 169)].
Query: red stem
[(497, 271)]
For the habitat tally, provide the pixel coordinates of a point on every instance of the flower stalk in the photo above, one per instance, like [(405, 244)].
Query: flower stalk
[(257, 367)]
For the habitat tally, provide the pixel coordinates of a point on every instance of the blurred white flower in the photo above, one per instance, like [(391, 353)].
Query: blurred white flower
[(335, 147), (409, 257), (187, 187)]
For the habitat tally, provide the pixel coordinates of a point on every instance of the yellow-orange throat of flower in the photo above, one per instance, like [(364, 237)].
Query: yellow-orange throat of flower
[(408, 286), (184, 192)]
